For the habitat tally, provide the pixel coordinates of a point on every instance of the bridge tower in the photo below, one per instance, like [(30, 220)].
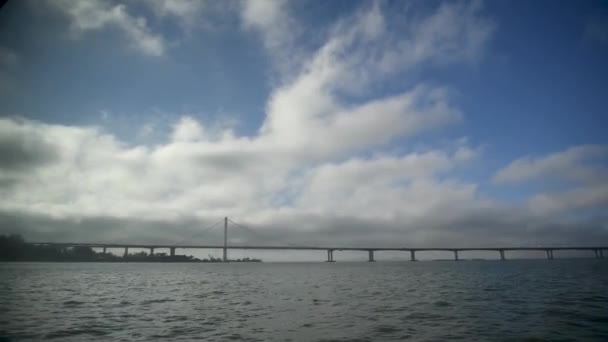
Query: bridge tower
[(225, 239)]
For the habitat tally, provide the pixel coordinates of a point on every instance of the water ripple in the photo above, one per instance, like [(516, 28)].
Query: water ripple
[(434, 301)]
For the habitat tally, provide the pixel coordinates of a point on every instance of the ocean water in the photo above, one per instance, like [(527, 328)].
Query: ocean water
[(514, 300)]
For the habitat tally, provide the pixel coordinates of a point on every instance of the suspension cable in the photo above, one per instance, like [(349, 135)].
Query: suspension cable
[(262, 236), (197, 234)]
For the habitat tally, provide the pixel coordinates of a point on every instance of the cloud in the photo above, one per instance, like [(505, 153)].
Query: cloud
[(23, 147), (188, 129), (579, 198), (379, 187), (186, 9), (319, 170), (455, 32), (326, 107), (264, 15), (92, 174), (485, 227), (310, 121), (577, 164), (373, 41), (581, 170), (278, 30), (97, 15), (83, 184)]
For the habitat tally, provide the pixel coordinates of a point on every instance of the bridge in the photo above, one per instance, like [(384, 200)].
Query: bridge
[(598, 251)]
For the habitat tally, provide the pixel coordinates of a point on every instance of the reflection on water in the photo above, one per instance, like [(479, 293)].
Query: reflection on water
[(484, 300)]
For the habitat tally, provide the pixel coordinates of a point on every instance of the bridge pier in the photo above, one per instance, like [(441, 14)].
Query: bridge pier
[(172, 251), (371, 256), (225, 254), (126, 252), (330, 255), (599, 253), (456, 255), (151, 251), (104, 250), (412, 255), (549, 254), (502, 254)]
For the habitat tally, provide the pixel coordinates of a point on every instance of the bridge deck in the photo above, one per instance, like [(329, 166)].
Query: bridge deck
[(155, 246)]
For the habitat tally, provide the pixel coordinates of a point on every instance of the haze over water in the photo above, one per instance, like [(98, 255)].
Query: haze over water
[(343, 301)]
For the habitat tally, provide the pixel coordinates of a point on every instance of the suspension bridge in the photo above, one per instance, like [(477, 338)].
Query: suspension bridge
[(598, 251)]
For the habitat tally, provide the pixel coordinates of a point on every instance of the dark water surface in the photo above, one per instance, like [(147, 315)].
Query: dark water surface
[(383, 301)]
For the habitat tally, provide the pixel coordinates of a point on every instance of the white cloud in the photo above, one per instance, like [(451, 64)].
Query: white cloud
[(364, 43), (180, 8), (311, 111), (264, 15), (97, 15), (310, 121), (188, 129), (578, 163), (384, 186), (92, 174), (79, 176), (303, 161), (317, 163), (582, 169), (570, 200), (278, 30), (455, 32)]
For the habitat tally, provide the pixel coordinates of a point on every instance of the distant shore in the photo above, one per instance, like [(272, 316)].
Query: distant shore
[(177, 259), (15, 248)]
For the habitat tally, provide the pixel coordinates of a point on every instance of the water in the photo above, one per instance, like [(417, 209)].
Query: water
[(383, 301)]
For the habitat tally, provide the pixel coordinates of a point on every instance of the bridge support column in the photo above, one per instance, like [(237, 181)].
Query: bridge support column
[(151, 251), (601, 254), (225, 256), (456, 255), (597, 253), (330, 255), (126, 252), (412, 255), (172, 251), (104, 250), (549, 254), (371, 256), (502, 255)]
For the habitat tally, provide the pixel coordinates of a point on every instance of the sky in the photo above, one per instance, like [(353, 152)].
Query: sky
[(350, 123)]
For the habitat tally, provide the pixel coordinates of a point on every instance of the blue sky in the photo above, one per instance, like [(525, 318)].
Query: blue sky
[(497, 106)]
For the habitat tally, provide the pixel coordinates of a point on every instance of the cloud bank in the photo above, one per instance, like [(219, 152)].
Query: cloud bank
[(321, 169)]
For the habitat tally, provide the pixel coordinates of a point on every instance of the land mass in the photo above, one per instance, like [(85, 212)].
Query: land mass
[(15, 248)]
